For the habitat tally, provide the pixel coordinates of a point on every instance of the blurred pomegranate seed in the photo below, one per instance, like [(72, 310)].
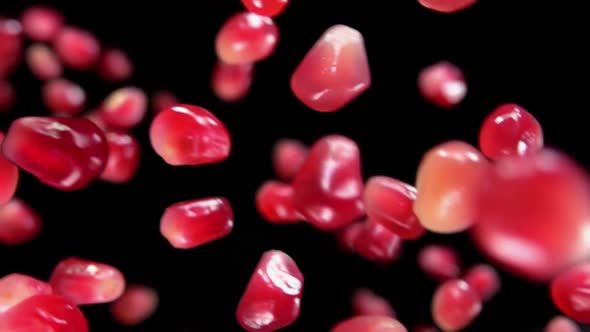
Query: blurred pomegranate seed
[(11, 45), (123, 157), (19, 223), (6, 95), (136, 305), (369, 324), (442, 84), (288, 156), (366, 303), (569, 292), (124, 108), (447, 6), (274, 201), (246, 38), (189, 135), (162, 100), (43, 63), (65, 153), (484, 280), (376, 243), (231, 82), (190, 224), (334, 72), (42, 23), (270, 8), (454, 305), (77, 48), (15, 288), (114, 65), (9, 176), (439, 262), (272, 298), (63, 97), (347, 236), (561, 324)]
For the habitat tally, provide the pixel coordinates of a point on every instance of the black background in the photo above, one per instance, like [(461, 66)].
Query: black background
[(528, 52)]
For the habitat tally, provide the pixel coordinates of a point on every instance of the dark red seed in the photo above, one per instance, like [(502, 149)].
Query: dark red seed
[(63, 97), (11, 45), (7, 96), (136, 305), (442, 84), (274, 201), (115, 66), (570, 292), (366, 303), (124, 108), (347, 236), (19, 223), (369, 324), (376, 243), (454, 305), (15, 288), (124, 156), (9, 176), (484, 280), (231, 82), (43, 63), (288, 156), (439, 262), (447, 6), (77, 48), (42, 23), (270, 8)]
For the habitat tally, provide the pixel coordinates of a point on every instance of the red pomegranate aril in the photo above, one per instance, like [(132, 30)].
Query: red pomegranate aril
[(329, 185), (124, 108), (369, 324), (274, 201), (334, 71), (442, 84), (246, 38), (115, 66), (77, 48), (484, 280), (190, 224), (189, 135), (561, 324), (510, 131), (19, 223), (11, 45), (366, 303), (270, 8), (231, 82), (570, 292), (136, 305), (162, 100), (42, 23), (65, 153), (63, 97), (534, 215), (447, 6), (43, 63), (390, 202), (376, 243), (288, 156), (9, 176), (123, 160), (439, 262), (347, 236), (7, 96), (15, 288), (272, 298), (454, 305)]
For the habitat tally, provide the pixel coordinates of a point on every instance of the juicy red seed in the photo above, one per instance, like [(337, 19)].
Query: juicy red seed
[(136, 305), (15, 288), (11, 45), (193, 223), (447, 6), (65, 153), (87, 282), (484, 280), (274, 201), (334, 72), (64, 97), (246, 38), (19, 223), (561, 324), (442, 84), (231, 82), (115, 66), (569, 292), (162, 100), (439, 262), (123, 160), (347, 236), (189, 135), (6, 95), (77, 48), (424, 328), (369, 324), (288, 156), (376, 243), (9, 176), (124, 108), (390, 203), (42, 23), (546, 189), (329, 185), (270, 8), (510, 131), (272, 298), (454, 305), (365, 303), (43, 63)]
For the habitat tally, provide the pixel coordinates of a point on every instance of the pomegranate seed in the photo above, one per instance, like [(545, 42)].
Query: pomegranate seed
[(270, 8), (124, 108), (347, 236), (6, 95), (442, 84), (510, 131), (162, 100), (376, 243), (329, 186), (534, 214), (193, 223), (369, 324), (86, 282), (454, 305), (97, 118), (569, 291), (8, 177), (288, 157), (15, 288), (272, 298), (43, 63), (64, 97), (65, 153), (246, 38), (561, 324), (274, 201), (77, 48), (136, 305), (19, 223), (424, 328), (449, 180), (484, 280), (390, 203), (334, 72), (11, 45), (366, 303), (123, 160), (447, 6), (439, 262), (189, 135), (115, 66), (232, 82), (42, 23)]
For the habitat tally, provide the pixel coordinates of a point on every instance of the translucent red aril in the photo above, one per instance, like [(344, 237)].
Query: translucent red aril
[(369, 324), (454, 305), (136, 305), (87, 282), (6, 95), (288, 156), (268, 8), (561, 324), (65, 153), (43, 63), (246, 38), (123, 160), (390, 202), (231, 82), (376, 243), (189, 135), (329, 185), (10, 45), (274, 201), (15, 288), (64, 97), (347, 236), (19, 223), (447, 6), (449, 180), (8, 177), (334, 72), (115, 66), (442, 84), (510, 131), (570, 292), (439, 262), (77, 48), (272, 298), (162, 100), (124, 108), (534, 217), (192, 223), (484, 280), (41, 23), (366, 302)]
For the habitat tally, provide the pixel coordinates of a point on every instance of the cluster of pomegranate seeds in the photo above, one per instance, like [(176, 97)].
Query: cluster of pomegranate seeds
[(455, 304), (366, 303), (369, 323), (64, 97), (136, 305), (123, 157), (442, 84), (77, 48), (439, 262), (43, 62), (447, 6), (19, 223)]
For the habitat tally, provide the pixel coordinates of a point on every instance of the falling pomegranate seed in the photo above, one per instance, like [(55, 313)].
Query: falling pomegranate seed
[(442, 84), (334, 72), (246, 38), (64, 97), (231, 82), (447, 6), (189, 135), (124, 108), (272, 298), (274, 201), (390, 203), (19, 223), (6, 95), (114, 65), (43, 63), (162, 100), (449, 180), (439, 262), (96, 118), (484, 280), (365, 302), (270, 8), (42, 23), (424, 328), (454, 305), (569, 292), (9, 176), (369, 324), (534, 215), (193, 223), (123, 160), (65, 153), (77, 48), (376, 243), (561, 324), (510, 131), (288, 156), (11, 45), (136, 305), (15, 288), (347, 236)]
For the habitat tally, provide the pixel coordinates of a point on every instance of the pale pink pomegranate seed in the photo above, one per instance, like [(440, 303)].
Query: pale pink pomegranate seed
[(365, 302), (390, 203), (288, 156), (376, 243), (77, 48), (439, 262), (369, 324), (136, 305), (569, 292), (42, 23), (449, 180), (43, 63), (274, 201), (270, 8), (510, 131), (231, 82), (11, 45), (561, 324), (124, 108), (484, 280), (189, 135), (19, 223), (123, 160), (424, 328), (454, 305), (15, 288), (447, 6), (442, 84), (114, 65), (9, 176), (162, 100), (87, 282), (65, 153), (534, 215), (64, 97), (7, 96), (246, 38), (272, 299), (329, 185), (190, 224), (334, 72), (347, 236)]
